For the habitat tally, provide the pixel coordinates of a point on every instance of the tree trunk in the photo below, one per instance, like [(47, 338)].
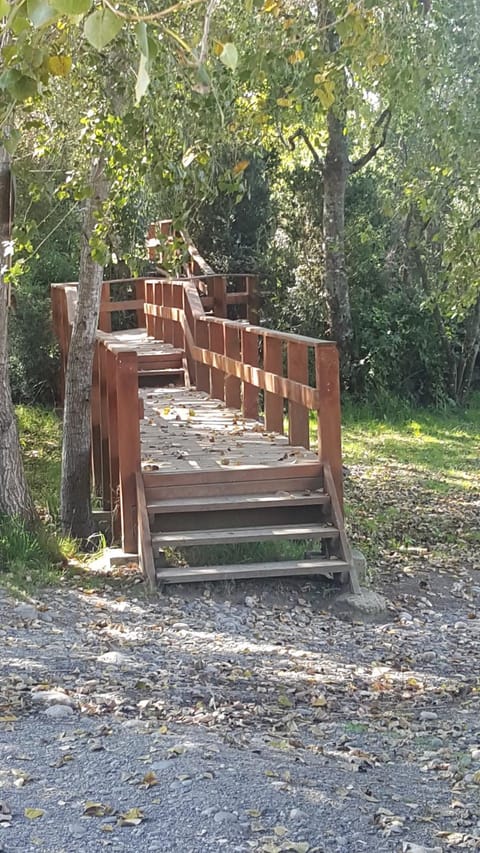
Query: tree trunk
[(335, 174), (470, 351), (76, 514), (14, 494)]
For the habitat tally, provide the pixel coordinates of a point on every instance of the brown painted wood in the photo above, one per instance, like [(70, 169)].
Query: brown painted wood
[(202, 372), (240, 502), (187, 538), (237, 474), (104, 427), (96, 424), (145, 552), (329, 418), (253, 298), (128, 444), (293, 487), (273, 363), (249, 391), (105, 318), (217, 377), (186, 574), (124, 305), (233, 397), (149, 298), (219, 292), (297, 367), (177, 302), (113, 426), (337, 518), (140, 297)]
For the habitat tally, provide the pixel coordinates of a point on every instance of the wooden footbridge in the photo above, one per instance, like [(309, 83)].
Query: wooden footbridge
[(201, 426)]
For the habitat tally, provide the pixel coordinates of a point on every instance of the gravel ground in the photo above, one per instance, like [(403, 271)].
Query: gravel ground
[(253, 717)]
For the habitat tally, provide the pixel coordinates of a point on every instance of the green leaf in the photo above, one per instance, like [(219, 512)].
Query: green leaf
[(19, 86), (142, 38), (72, 7), (40, 13), (101, 27), (143, 79), (229, 56), (11, 141), (5, 8)]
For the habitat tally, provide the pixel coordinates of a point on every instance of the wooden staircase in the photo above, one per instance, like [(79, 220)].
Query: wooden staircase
[(251, 504), (162, 368)]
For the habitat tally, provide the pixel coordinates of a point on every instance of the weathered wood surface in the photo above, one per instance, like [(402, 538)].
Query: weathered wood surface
[(185, 430)]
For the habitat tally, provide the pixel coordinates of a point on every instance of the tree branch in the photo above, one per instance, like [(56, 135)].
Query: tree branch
[(300, 134), (382, 122)]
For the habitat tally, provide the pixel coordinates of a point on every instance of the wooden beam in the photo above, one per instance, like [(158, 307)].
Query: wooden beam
[(297, 366), (329, 419), (128, 444), (273, 363)]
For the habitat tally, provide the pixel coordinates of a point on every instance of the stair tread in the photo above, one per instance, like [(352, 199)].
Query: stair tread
[(221, 536), (161, 370), (185, 574), (221, 502)]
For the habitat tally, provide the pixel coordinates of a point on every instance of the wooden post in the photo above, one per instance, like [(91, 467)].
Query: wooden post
[(177, 302), (202, 371), (329, 416), (152, 235), (219, 286), (96, 423), (216, 343), (140, 294), (233, 385), (104, 427), (128, 444), (273, 363), (297, 361), (252, 299), (112, 416), (158, 295), (167, 301), (105, 317), (150, 300), (250, 356)]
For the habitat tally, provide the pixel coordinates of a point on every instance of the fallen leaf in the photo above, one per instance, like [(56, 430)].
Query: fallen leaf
[(92, 809), (32, 814), (133, 817)]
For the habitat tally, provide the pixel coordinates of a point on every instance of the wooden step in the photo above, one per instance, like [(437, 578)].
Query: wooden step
[(236, 502), (289, 568), (184, 538), (161, 371)]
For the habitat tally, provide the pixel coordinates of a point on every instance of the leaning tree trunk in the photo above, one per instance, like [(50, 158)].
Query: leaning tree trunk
[(76, 513), (14, 494), (470, 353), (335, 174)]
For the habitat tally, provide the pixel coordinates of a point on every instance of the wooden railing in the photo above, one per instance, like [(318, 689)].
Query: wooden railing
[(235, 361), (278, 377)]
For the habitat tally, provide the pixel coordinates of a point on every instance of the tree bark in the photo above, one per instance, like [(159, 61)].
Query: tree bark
[(335, 174), (15, 497), (76, 513)]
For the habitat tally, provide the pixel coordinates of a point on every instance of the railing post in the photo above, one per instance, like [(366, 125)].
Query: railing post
[(150, 300), (329, 416), (112, 416), (96, 423), (253, 300), (250, 356), (105, 317), (273, 363), (233, 397), (202, 371), (219, 286), (297, 361), (106, 490), (177, 302), (140, 294), (158, 299), (216, 344), (128, 443)]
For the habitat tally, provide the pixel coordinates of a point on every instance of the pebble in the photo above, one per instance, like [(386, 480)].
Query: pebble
[(117, 658), (225, 817), (296, 814), (250, 601), (428, 716), (58, 711), (50, 697), (27, 612)]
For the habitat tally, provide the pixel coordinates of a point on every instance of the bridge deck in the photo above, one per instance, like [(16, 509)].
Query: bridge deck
[(185, 430)]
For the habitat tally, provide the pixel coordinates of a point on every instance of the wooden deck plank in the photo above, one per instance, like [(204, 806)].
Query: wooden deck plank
[(236, 502), (184, 538), (188, 574)]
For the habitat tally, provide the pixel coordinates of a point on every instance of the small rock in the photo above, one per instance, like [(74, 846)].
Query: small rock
[(27, 612), (296, 814), (58, 711), (367, 603), (250, 601), (113, 658), (427, 657), (50, 697), (427, 716), (409, 847), (225, 817)]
